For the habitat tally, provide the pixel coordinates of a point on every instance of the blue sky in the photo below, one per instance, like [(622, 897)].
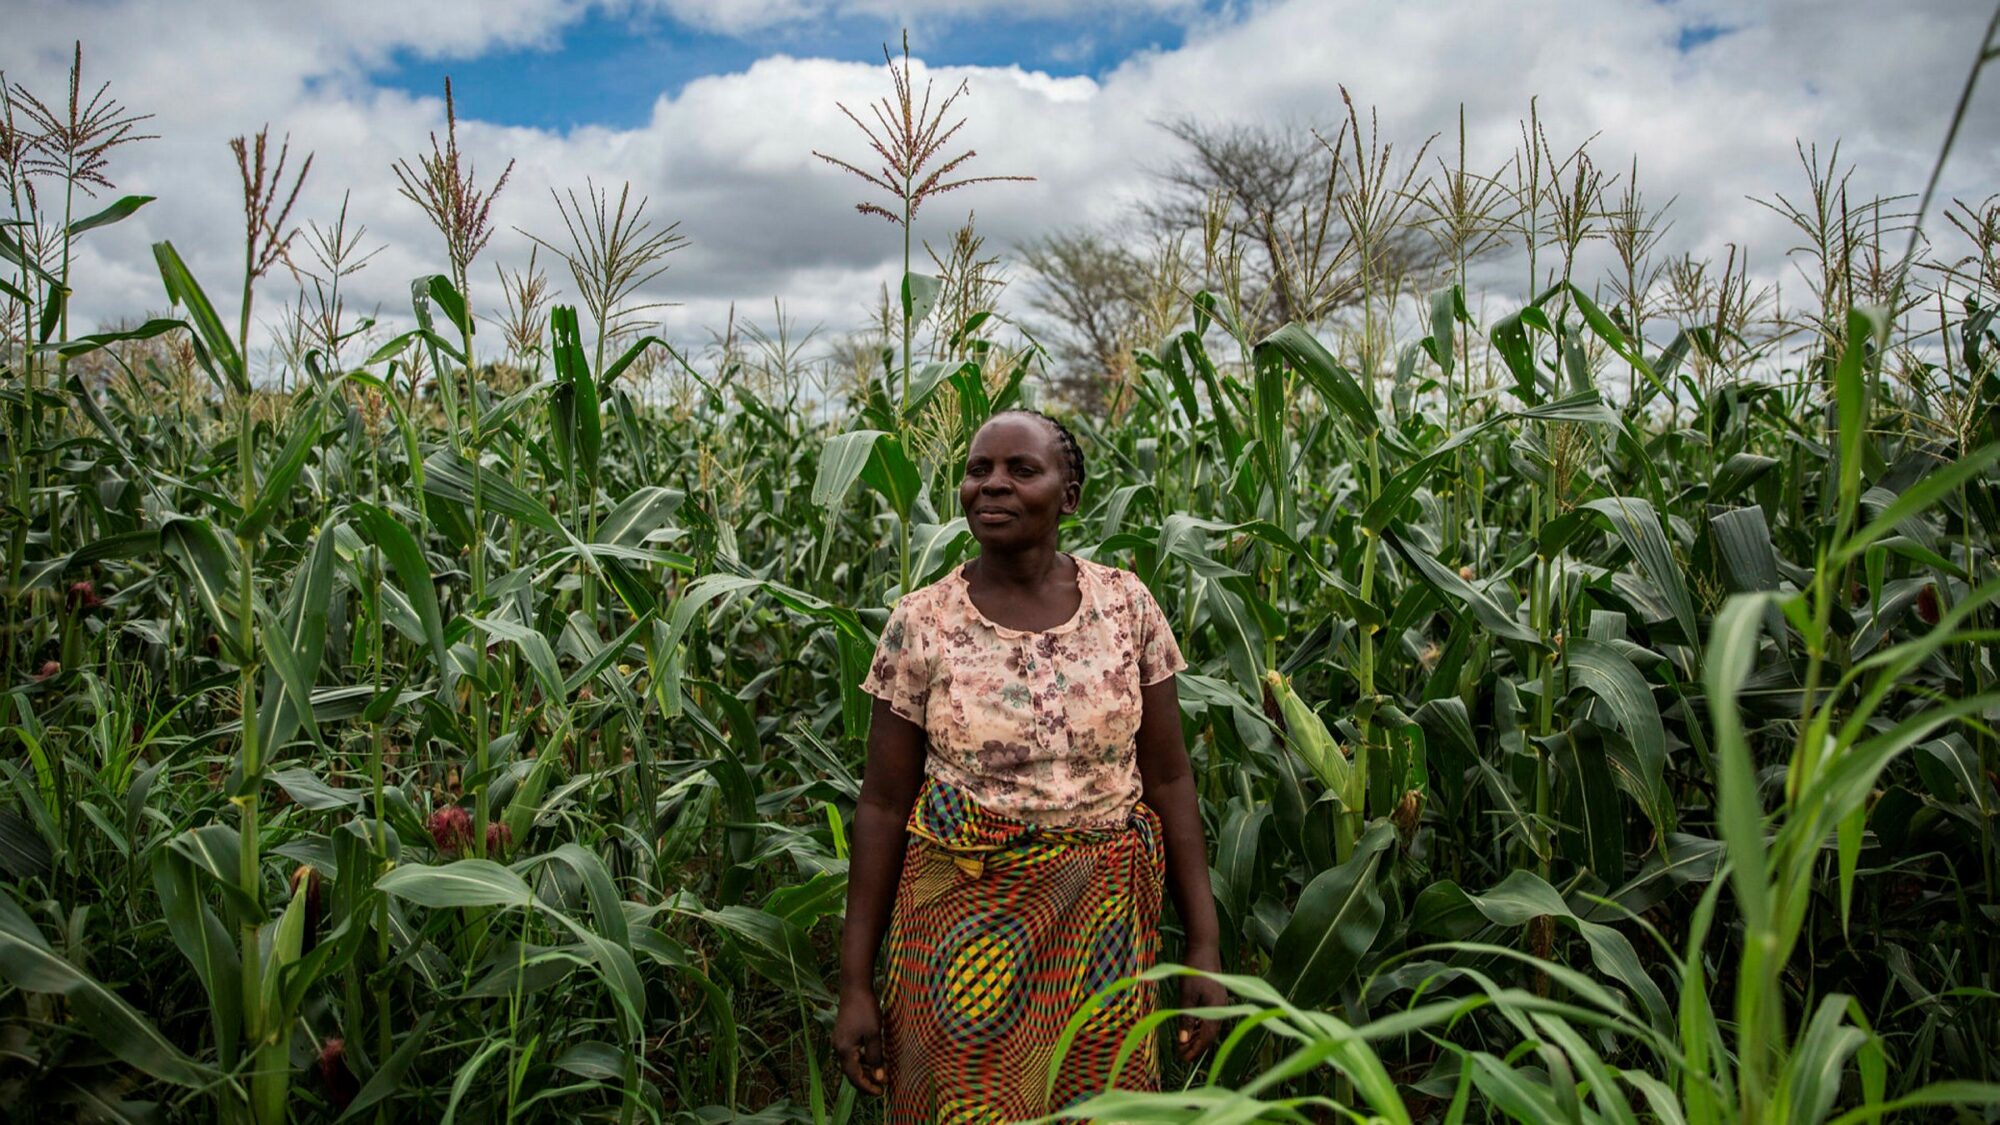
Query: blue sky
[(1694, 35), (607, 68)]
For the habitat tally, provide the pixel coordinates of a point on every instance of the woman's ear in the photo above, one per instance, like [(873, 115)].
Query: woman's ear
[(1072, 497)]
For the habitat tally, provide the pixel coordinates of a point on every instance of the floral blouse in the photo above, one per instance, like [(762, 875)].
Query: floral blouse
[(1038, 725)]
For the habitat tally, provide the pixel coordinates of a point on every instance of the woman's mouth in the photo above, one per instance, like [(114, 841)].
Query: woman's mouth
[(992, 515)]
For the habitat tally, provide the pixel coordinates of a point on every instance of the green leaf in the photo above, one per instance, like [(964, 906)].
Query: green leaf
[(1743, 550), (1399, 488), (215, 851), (890, 472), (24, 850), (534, 649), (605, 908), (1919, 496), (603, 657), (1584, 407), (206, 943), (775, 948), (1237, 628), (1732, 654), (1445, 303), (1509, 337), (1446, 909), (304, 787), (449, 301), (920, 293), (1602, 670), (711, 586), (1447, 727), (12, 250), (840, 465), (467, 882), (1236, 848), (413, 574), (198, 553), (448, 476), (924, 384), (1639, 527), (1460, 592), (593, 1059), (1333, 927), (1593, 829), (388, 1076), (614, 965), (1309, 358), (1513, 1093), (645, 511), (123, 545), (284, 472), (397, 344), (213, 345), (27, 963), (974, 404), (1953, 1093), (1819, 1060), (52, 309), (631, 355), (122, 209), (1609, 332), (1268, 413), (802, 904), (84, 345), (298, 640), (666, 951), (573, 373), (1850, 384), (1738, 473), (468, 1073), (1951, 772)]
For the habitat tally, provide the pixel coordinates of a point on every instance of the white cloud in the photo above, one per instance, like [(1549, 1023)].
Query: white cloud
[(730, 155), (737, 17)]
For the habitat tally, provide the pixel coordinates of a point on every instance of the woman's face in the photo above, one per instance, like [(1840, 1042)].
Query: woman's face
[(1017, 486)]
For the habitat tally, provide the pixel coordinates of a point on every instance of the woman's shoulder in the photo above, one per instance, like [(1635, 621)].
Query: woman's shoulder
[(1116, 577), (929, 602)]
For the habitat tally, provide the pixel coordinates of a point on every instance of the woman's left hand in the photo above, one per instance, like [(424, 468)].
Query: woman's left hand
[(1197, 1033)]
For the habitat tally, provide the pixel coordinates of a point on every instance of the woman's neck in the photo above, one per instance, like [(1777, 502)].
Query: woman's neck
[(1028, 569)]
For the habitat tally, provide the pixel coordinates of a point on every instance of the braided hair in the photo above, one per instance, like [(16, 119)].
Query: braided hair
[(1070, 447)]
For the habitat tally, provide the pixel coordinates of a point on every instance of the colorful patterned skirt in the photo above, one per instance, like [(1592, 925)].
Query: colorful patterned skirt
[(1001, 930)]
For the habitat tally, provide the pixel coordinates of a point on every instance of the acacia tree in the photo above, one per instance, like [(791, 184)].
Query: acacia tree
[(1088, 291), (1277, 193)]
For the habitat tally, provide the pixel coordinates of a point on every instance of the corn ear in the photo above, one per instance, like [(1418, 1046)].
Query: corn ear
[(1308, 736)]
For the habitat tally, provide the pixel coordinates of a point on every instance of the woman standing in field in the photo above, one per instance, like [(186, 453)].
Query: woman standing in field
[(1027, 798)]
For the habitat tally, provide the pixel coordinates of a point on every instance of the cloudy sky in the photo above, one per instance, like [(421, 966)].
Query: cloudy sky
[(712, 108)]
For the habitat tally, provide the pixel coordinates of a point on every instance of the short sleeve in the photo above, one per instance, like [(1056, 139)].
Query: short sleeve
[(901, 670), (1159, 655)]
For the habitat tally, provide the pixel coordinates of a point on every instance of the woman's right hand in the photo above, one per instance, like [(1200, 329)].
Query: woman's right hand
[(857, 1039)]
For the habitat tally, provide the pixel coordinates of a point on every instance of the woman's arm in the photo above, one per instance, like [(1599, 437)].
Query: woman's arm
[(874, 865), (1168, 784)]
